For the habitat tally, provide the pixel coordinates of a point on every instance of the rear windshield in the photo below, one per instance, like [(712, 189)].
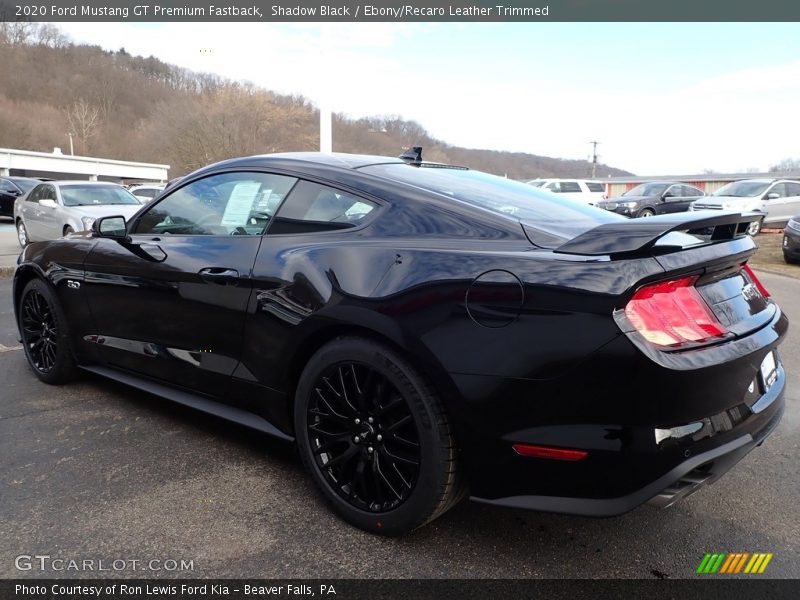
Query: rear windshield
[(554, 214), (92, 195)]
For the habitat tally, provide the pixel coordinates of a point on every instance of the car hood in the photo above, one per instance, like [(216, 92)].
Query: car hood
[(720, 200), (105, 210)]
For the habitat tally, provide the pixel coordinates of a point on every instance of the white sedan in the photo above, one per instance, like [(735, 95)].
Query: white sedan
[(56, 208)]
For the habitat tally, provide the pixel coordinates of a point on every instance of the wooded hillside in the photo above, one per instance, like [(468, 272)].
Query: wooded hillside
[(136, 108)]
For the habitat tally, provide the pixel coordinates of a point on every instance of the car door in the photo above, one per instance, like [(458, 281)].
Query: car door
[(776, 202), (8, 194), (792, 201), (169, 301), (29, 211), (688, 195), (295, 277), (48, 215), (671, 200)]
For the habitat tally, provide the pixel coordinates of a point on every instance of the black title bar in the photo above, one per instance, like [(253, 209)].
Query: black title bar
[(401, 11)]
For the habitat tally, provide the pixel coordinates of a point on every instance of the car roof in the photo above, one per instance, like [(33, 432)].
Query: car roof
[(19, 178), (68, 182), (333, 159)]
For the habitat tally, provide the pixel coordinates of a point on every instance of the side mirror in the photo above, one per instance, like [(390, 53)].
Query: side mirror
[(111, 227), (14, 193), (772, 196), (48, 203)]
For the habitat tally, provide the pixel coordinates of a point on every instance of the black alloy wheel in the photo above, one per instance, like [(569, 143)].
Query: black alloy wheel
[(363, 437), (44, 336), (375, 437)]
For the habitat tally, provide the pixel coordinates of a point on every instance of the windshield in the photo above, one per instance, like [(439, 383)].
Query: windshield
[(647, 189), (743, 189), (94, 195), (543, 210)]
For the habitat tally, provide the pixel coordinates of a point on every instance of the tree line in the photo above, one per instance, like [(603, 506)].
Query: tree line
[(126, 107)]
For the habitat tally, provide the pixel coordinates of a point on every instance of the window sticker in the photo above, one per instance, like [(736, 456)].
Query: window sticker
[(240, 204)]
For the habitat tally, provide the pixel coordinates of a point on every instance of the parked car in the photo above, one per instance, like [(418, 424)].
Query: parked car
[(653, 198), (146, 192), (56, 208), (12, 188), (424, 333), (791, 240), (776, 199), (578, 189)]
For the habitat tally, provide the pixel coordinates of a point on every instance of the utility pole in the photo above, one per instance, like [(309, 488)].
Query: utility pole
[(594, 158), (71, 148)]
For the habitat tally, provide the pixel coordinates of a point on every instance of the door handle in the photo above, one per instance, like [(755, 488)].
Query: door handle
[(219, 275)]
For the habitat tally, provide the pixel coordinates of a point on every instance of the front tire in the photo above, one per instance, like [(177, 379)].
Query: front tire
[(45, 336), (647, 212), (375, 437), (22, 234), (789, 260)]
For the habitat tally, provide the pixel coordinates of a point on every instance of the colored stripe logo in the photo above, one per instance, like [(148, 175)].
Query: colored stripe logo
[(734, 563)]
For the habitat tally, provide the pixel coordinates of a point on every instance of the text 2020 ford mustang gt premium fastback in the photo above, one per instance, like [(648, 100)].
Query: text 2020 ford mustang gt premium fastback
[(425, 331)]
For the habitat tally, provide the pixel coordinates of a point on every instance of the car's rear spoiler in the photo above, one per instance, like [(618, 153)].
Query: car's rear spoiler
[(639, 235)]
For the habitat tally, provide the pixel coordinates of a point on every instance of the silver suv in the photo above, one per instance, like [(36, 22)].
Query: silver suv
[(778, 199)]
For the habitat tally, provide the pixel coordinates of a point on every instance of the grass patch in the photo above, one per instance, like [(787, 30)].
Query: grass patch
[(769, 256)]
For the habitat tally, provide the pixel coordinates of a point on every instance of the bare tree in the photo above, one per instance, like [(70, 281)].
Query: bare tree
[(83, 118), (787, 165)]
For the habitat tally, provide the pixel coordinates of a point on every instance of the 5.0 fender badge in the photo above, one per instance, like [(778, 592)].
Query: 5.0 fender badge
[(73, 285)]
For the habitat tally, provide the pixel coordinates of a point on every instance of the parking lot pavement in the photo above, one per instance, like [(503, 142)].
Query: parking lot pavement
[(9, 247), (94, 470)]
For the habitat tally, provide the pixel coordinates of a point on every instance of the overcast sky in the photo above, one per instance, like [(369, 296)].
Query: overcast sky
[(661, 98)]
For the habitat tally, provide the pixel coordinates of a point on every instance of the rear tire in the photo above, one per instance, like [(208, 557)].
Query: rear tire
[(68, 230), (45, 335), (375, 437), (22, 234)]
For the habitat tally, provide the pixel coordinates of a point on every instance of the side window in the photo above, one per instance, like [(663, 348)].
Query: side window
[(691, 192), (595, 187), (778, 188), (48, 192), (553, 186), (570, 186), (792, 189), (35, 194), (312, 208), (225, 204)]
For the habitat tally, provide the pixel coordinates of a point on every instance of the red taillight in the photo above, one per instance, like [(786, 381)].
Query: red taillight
[(549, 452), (673, 313), (756, 281)]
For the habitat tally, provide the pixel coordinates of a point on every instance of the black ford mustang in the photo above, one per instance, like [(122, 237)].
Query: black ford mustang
[(424, 330)]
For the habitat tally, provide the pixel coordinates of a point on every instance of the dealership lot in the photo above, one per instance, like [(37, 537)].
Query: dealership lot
[(96, 471)]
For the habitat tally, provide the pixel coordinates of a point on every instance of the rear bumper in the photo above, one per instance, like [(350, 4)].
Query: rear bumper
[(701, 462)]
